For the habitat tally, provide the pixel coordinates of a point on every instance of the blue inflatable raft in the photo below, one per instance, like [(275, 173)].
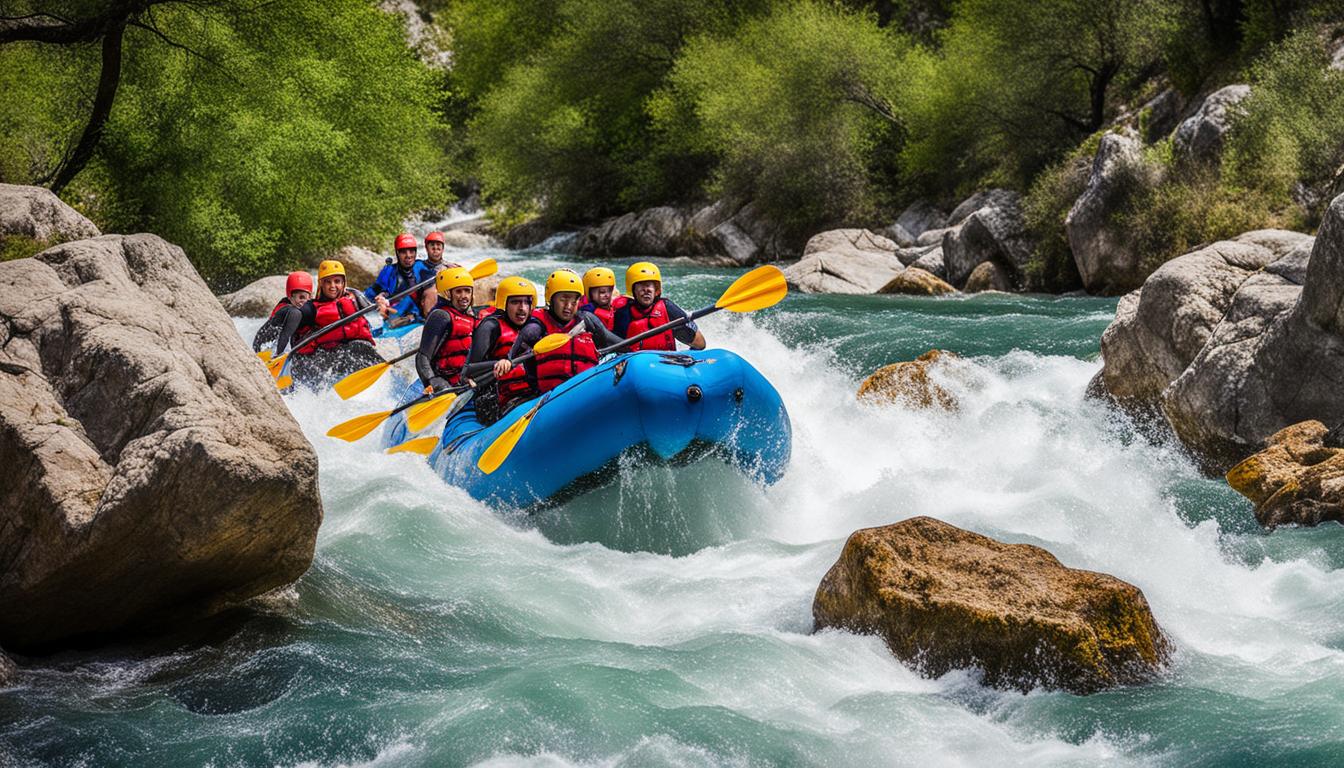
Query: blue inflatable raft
[(647, 406)]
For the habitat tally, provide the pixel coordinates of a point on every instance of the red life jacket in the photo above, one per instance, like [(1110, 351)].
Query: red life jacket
[(642, 320), (513, 383), (329, 311), (576, 356), (607, 315), (452, 353)]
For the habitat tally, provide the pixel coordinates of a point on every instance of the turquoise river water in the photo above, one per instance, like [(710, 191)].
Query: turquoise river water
[(666, 620)]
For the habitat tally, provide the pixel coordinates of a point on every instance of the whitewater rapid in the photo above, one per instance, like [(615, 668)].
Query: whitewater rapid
[(666, 620)]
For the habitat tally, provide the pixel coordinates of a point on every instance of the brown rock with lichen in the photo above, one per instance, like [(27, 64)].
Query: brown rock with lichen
[(944, 598), (913, 281), (1296, 480), (908, 383)]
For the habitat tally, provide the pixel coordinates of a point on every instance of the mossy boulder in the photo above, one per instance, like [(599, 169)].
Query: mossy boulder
[(1296, 480), (944, 598), (914, 281), (908, 383)]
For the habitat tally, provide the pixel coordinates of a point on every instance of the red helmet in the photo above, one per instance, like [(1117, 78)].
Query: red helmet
[(434, 237), (404, 240), (298, 281)]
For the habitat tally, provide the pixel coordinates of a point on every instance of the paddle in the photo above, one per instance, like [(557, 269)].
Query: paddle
[(353, 429), (366, 377), (421, 445), (760, 288), (277, 365)]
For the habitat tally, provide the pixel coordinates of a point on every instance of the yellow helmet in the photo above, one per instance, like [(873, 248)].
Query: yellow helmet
[(330, 267), (450, 278), (513, 286), (639, 272), (562, 280), (598, 277)]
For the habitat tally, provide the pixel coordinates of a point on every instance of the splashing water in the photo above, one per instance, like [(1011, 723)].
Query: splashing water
[(666, 619)]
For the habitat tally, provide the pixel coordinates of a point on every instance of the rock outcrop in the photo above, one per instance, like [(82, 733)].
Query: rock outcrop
[(1200, 137), (720, 234), (914, 221), (456, 238), (944, 598), (151, 470), (361, 265), (845, 261), (1107, 257), (653, 233), (1235, 341), (913, 281), (909, 384), (37, 214), (995, 231), (257, 298), (1296, 480), (988, 276), (932, 262)]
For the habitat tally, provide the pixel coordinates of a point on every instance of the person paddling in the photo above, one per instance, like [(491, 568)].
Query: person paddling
[(400, 273), (298, 290), (647, 309), (599, 292), (446, 339), (562, 315), (332, 302), (434, 245), (490, 345)]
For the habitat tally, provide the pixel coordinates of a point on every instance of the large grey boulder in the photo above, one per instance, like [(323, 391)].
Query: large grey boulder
[(457, 238), (985, 198), (652, 233), (1107, 257), (361, 265), (918, 218), (38, 214), (257, 298), (845, 261), (996, 232), (932, 262), (1200, 137), (150, 470)]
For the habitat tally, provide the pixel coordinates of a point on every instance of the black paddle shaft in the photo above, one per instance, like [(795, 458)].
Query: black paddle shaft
[(360, 313)]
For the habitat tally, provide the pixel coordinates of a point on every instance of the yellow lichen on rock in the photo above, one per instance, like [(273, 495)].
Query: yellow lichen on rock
[(908, 383), (1296, 479)]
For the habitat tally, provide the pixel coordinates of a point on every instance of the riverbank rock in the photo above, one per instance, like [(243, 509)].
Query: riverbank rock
[(724, 234), (652, 233), (1296, 480), (988, 276), (37, 214), (151, 471), (909, 384), (932, 262), (1200, 137), (996, 231), (845, 261), (483, 290), (913, 281), (257, 298), (1107, 257), (458, 238), (944, 598), (918, 218), (9, 671), (361, 265)]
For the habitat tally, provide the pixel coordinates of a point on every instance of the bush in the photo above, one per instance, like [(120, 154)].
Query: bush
[(1046, 206), (796, 106)]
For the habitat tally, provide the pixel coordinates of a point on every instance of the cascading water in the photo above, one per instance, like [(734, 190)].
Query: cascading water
[(665, 620)]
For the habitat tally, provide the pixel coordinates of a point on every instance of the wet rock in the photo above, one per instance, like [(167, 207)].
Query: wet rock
[(152, 472), (996, 232), (527, 234), (944, 598), (908, 383), (1296, 480), (1107, 257), (456, 238), (39, 215), (845, 261), (932, 262), (1200, 137), (988, 276), (9, 671), (914, 281), (257, 298), (650, 233)]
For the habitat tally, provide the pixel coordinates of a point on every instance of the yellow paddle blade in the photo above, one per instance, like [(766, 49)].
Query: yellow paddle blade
[(360, 380), (355, 428), (276, 364), (265, 355), (421, 445), (284, 382), (503, 445), (420, 416), (483, 268), (550, 343), (760, 288)]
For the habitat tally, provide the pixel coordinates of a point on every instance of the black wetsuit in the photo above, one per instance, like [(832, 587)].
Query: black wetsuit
[(432, 336), (307, 315), (275, 325), (683, 333), (533, 331)]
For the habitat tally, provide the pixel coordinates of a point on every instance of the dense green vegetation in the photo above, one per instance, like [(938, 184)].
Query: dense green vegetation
[(260, 135)]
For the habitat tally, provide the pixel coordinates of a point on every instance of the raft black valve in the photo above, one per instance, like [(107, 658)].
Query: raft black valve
[(693, 393)]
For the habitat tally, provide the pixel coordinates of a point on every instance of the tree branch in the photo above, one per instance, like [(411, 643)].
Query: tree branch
[(108, 80)]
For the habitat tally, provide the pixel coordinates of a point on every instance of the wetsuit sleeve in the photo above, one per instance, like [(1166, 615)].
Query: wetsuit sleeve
[(361, 301), (305, 315), (601, 336), (530, 334), (431, 338), (483, 339), (683, 333), (620, 323), (270, 330)]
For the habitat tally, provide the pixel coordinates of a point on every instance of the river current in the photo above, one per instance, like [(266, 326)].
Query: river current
[(666, 620)]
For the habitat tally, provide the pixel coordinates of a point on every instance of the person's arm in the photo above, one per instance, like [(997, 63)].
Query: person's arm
[(601, 336), (436, 329), (270, 330), (620, 321), (530, 334), (688, 334), (305, 315), (378, 292), (483, 340)]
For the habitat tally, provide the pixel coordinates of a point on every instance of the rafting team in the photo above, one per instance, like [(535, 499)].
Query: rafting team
[(460, 343)]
